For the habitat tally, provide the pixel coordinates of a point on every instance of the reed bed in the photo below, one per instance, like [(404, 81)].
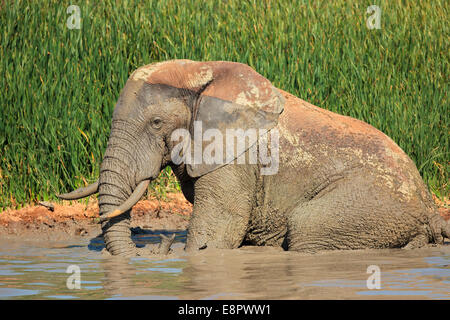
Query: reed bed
[(59, 85)]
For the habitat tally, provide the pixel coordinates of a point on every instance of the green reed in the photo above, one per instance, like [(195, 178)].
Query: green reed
[(59, 86)]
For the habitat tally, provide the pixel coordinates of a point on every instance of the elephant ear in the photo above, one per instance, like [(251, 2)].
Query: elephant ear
[(228, 96)]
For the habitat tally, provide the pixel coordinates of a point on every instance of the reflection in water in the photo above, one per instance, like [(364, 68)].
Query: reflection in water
[(38, 271)]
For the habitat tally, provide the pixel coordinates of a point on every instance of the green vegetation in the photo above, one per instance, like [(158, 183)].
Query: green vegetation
[(59, 86)]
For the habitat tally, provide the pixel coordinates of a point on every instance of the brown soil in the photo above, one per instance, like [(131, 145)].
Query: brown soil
[(71, 218), (443, 207), (74, 219)]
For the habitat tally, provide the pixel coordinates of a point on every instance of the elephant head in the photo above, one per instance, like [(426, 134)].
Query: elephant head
[(157, 100)]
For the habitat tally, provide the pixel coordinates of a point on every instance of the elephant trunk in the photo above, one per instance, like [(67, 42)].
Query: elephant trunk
[(116, 184)]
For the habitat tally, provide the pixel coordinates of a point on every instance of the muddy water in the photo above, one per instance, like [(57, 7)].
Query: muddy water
[(37, 270)]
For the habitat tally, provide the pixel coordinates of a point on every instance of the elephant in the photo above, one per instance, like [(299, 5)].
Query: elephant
[(332, 182)]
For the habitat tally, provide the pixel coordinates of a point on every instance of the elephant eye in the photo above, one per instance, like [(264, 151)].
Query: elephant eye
[(156, 122)]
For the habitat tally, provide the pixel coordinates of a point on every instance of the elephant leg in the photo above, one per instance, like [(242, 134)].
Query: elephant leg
[(354, 213), (222, 205), (418, 241)]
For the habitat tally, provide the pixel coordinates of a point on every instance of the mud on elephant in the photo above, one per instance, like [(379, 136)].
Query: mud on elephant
[(339, 183)]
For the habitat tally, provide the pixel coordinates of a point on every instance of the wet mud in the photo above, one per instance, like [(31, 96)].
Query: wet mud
[(70, 220), (40, 249)]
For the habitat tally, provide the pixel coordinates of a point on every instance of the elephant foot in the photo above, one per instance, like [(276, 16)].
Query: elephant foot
[(105, 253), (166, 242), (162, 249)]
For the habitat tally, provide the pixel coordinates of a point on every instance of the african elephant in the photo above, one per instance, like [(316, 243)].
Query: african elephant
[(338, 182)]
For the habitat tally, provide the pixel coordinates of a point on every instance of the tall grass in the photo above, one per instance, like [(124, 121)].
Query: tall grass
[(59, 86)]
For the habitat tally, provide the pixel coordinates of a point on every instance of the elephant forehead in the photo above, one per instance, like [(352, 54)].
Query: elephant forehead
[(229, 81)]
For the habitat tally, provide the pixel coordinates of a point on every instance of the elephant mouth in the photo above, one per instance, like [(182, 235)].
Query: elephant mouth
[(129, 203), (124, 207)]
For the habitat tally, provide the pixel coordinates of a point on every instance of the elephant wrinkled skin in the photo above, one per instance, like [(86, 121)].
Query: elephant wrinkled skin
[(340, 183)]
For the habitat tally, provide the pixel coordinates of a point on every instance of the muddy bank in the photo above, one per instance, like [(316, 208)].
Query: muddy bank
[(443, 207), (74, 219), (71, 219)]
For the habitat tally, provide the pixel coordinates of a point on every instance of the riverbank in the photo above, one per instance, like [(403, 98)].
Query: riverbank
[(68, 219), (59, 221)]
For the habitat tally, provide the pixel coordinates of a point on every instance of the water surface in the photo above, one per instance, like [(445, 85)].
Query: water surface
[(37, 270)]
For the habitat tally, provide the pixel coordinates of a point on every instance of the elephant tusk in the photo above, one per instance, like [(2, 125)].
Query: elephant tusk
[(129, 203), (80, 193)]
